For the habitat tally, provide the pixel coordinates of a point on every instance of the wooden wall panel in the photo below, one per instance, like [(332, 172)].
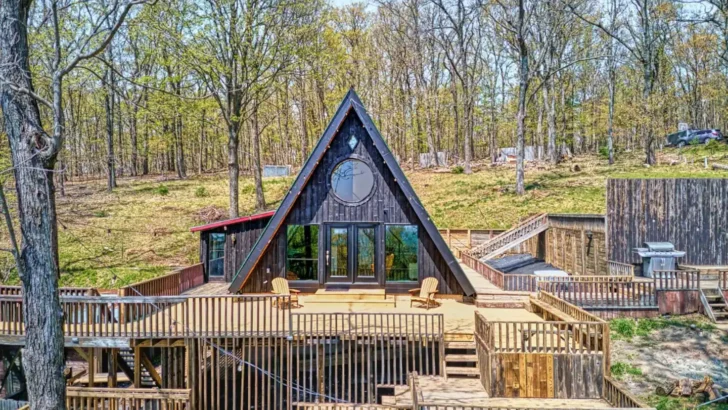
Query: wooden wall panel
[(690, 213), (532, 375), (679, 302)]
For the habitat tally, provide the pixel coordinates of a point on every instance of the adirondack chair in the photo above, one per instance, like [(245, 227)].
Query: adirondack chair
[(426, 294), (280, 287)]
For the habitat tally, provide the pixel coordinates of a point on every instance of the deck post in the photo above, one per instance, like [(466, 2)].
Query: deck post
[(470, 238), (137, 367), (91, 367), (113, 366)]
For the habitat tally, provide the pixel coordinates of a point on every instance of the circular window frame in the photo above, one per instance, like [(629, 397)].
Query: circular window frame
[(340, 161)]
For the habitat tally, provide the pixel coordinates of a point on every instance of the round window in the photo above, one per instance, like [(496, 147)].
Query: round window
[(352, 180)]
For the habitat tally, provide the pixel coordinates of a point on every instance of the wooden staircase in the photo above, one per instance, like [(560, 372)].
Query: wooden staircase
[(461, 360), (715, 305), (126, 362), (512, 237)]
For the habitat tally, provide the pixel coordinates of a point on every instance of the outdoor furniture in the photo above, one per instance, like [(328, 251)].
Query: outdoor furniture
[(426, 294), (280, 287)]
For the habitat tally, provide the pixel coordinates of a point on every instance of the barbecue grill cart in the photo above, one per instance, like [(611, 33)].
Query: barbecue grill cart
[(658, 256)]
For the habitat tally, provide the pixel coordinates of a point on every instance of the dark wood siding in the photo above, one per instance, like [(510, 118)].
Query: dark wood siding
[(386, 205), (239, 240), (690, 213)]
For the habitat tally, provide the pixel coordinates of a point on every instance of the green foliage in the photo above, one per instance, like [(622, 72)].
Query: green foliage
[(163, 190), (457, 169), (694, 141), (626, 329), (101, 214), (201, 192), (620, 369), (623, 328), (713, 146)]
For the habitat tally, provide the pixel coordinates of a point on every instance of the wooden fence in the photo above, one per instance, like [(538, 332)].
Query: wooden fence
[(345, 356), (83, 398), (172, 284), (158, 317)]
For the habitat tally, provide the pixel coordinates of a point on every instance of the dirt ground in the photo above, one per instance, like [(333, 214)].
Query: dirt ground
[(673, 353)]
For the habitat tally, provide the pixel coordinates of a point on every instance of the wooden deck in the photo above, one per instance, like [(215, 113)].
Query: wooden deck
[(435, 390)]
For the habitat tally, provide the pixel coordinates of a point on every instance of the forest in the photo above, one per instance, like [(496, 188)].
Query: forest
[(201, 86)]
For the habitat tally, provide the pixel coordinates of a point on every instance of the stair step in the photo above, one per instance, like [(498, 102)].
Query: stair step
[(463, 371), (461, 358), (459, 345), (718, 305)]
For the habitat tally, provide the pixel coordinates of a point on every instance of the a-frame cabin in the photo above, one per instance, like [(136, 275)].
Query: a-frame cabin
[(351, 219)]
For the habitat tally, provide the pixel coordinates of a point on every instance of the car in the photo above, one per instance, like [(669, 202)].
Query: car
[(683, 138)]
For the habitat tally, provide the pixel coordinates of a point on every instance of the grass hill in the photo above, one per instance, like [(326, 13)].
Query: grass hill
[(141, 230)]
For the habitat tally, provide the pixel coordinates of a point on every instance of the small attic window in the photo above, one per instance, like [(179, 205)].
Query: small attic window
[(353, 141)]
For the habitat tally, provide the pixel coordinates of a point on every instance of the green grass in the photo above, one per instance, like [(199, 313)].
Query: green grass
[(626, 329), (142, 228), (679, 403), (620, 369)]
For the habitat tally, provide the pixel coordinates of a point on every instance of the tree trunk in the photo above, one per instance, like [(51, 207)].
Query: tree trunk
[(43, 360), (179, 148), (203, 146), (109, 106), (145, 148), (233, 168), (523, 81), (133, 141), (257, 172)]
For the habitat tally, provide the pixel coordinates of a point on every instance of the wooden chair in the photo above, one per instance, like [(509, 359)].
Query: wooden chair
[(280, 287), (426, 293)]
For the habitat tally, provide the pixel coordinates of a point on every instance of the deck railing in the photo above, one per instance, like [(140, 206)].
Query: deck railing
[(493, 275), (572, 310), (615, 268), (723, 279), (604, 294), (17, 291), (83, 398), (350, 342), (531, 224), (172, 284), (541, 337), (618, 397), (677, 279), (159, 317)]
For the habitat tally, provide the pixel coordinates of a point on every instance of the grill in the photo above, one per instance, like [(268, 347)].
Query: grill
[(658, 256)]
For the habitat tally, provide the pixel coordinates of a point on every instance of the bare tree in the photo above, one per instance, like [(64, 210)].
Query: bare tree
[(34, 153)]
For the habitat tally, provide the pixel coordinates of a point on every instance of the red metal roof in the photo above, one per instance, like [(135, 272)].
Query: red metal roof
[(220, 224)]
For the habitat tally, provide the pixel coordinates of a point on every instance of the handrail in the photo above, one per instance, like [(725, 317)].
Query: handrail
[(604, 294), (123, 398), (568, 308), (618, 397), (525, 227), (171, 284), (6, 290), (677, 279), (159, 316)]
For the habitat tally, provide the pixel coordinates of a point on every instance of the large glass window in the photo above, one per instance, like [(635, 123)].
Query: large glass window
[(216, 262), (400, 248), (302, 252), (352, 180)]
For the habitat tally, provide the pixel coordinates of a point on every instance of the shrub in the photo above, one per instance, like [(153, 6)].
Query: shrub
[(163, 190), (694, 141), (201, 192), (101, 214), (623, 328), (458, 169)]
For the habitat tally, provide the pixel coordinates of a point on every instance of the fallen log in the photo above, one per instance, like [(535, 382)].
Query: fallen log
[(720, 166)]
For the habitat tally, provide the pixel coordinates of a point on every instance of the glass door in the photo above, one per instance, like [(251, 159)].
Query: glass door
[(337, 254), (351, 253), (366, 266)]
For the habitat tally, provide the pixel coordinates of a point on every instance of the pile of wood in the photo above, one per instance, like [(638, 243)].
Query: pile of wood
[(701, 390)]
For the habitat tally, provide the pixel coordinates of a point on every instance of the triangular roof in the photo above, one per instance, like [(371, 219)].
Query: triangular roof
[(351, 103)]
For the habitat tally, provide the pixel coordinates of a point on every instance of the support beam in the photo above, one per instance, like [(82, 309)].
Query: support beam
[(137, 367), (150, 368)]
